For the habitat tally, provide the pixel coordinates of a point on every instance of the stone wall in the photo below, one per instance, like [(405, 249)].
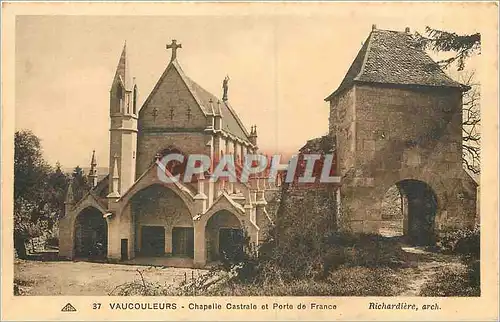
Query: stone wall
[(150, 143), (403, 133), (342, 127), (174, 104), (302, 206), (170, 117)]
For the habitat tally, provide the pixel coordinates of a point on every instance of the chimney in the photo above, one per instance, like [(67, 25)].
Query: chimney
[(374, 27), (407, 30)]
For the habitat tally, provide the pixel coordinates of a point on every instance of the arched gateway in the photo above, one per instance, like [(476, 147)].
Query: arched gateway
[(224, 236), (163, 223), (409, 209), (91, 235)]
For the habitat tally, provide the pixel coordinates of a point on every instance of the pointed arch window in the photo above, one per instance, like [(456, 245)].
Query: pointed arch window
[(119, 96), (134, 103), (119, 91)]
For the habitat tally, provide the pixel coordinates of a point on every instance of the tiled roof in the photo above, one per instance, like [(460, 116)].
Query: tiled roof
[(393, 57), (230, 121)]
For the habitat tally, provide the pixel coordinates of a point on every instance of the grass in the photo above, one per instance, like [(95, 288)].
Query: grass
[(346, 281), (451, 282)]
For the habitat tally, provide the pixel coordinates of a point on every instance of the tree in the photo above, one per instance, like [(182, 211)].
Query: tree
[(30, 186), (58, 183), (462, 47), (471, 120), (39, 191), (80, 183)]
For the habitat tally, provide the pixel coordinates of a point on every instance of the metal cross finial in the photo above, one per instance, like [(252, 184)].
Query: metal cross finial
[(174, 46)]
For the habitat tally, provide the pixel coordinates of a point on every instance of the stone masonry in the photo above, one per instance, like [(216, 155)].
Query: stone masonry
[(142, 214)]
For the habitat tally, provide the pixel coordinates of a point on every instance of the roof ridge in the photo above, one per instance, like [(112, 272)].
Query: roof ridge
[(365, 58), (395, 31), (184, 78), (174, 64), (235, 115), (228, 106)]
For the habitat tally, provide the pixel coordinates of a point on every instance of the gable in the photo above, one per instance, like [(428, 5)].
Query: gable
[(171, 104), (176, 96)]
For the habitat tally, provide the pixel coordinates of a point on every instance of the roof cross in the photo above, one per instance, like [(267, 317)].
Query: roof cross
[(174, 46)]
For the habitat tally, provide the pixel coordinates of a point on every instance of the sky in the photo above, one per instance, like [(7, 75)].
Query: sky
[(281, 67)]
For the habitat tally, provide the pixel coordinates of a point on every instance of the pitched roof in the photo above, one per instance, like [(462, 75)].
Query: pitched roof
[(393, 57), (230, 120)]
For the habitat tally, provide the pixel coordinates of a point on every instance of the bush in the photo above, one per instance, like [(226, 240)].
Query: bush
[(303, 256), (451, 282), (466, 282), (368, 250), (465, 241), (242, 260), (359, 281), (304, 245)]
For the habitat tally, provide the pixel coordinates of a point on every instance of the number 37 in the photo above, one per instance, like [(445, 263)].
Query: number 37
[(96, 306)]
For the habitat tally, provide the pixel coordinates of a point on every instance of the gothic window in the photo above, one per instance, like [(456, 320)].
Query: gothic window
[(134, 105), (119, 96), (119, 91)]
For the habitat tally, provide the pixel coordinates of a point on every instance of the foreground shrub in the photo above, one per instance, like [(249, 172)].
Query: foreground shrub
[(464, 282), (465, 241), (305, 258), (346, 281), (451, 282), (368, 250)]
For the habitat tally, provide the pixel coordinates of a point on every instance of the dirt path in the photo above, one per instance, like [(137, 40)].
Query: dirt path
[(428, 264), (84, 278)]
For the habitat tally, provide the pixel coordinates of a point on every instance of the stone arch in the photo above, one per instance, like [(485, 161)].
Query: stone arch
[(224, 235), (163, 222), (409, 208), (150, 178), (168, 150), (174, 167), (90, 234)]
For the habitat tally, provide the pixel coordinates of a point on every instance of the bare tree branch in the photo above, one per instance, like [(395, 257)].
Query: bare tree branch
[(471, 122)]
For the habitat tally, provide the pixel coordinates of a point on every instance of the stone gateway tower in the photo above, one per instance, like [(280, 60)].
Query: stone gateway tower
[(397, 121), (131, 214)]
